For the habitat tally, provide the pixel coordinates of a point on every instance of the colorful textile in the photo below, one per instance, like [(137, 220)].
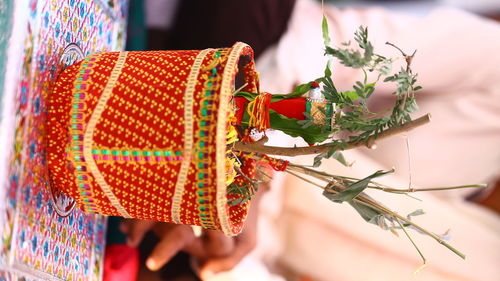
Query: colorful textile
[(5, 28), (36, 243), (143, 134)]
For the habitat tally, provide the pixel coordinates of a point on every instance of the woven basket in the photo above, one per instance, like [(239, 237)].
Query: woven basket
[(143, 134)]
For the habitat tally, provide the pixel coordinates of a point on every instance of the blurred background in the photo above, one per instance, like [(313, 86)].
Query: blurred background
[(457, 60)]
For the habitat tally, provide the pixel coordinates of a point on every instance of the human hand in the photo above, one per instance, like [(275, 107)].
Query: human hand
[(213, 250), (222, 252), (173, 238)]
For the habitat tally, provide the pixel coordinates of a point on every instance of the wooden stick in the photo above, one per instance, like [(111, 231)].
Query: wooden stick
[(296, 151)]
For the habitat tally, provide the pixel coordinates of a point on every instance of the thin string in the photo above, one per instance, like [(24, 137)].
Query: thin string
[(408, 155), (258, 110)]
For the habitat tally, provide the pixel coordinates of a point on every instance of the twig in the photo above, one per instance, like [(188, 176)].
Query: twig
[(375, 185), (424, 260), (304, 179), (409, 190), (251, 181), (408, 58), (317, 174), (376, 206), (239, 89), (296, 151), (365, 200)]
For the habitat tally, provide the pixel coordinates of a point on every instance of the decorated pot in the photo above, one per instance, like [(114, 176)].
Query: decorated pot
[(143, 134)]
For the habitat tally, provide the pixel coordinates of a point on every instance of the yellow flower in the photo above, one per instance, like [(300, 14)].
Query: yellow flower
[(230, 170), (232, 135)]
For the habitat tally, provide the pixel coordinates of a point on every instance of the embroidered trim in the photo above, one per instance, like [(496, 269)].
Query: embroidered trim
[(135, 155), (188, 135), (75, 149), (206, 124), (89, 135), (220, 137)]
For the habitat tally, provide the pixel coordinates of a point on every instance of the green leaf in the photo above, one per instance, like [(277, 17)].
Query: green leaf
[(302, 88), (326, 34), (340, 157), (415, 213), (334, 153), (298, 91), (317, 160), (329, 91), (386, 67), (361, 37), (411, 105), (351, 95), (354, 189), (390, 78), (370, 89), (292, 127), (246, 95), (235, 201), (328, 72), (379, 220), (367, 213)]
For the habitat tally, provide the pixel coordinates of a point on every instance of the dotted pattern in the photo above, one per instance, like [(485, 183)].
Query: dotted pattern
[(90, 127)]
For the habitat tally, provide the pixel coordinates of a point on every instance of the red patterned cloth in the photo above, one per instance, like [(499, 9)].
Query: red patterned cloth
[(143, 134)]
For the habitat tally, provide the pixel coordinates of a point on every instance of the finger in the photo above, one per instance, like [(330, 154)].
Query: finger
[(217, 265), (173, 239), (243, 244), (135, 230), (217, 244), (228, 262), (196, 249)]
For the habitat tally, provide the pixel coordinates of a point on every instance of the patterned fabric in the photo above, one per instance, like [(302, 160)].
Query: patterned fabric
[(36, 243), (5, 27), (143, 134)]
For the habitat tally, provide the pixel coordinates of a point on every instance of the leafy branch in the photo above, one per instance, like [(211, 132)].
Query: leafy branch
[(337, 146), (350, 117), (341, 190)]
